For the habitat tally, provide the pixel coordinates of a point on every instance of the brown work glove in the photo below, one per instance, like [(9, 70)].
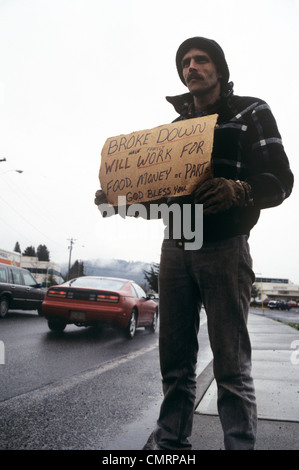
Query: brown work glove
[(100, 197), (220, 194)]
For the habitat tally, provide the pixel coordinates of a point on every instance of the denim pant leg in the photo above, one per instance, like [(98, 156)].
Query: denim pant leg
[(179, 323), (226, 277)]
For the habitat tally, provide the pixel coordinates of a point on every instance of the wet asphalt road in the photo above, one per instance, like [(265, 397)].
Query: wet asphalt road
[(77, 390), (83, 389)]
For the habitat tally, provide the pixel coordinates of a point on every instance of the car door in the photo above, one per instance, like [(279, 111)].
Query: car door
[(33, 293), (18, 289), (144, 314)]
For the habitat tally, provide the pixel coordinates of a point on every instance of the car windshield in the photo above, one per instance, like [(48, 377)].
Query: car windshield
[(97, 283)]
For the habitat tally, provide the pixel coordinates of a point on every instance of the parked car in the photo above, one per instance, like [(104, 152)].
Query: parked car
[(292, 303), (278, 305), (259, 303), (283, 305), (19, 290), (92, 300)]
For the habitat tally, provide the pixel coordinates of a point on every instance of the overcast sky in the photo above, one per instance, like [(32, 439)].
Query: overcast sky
[(75, 72)]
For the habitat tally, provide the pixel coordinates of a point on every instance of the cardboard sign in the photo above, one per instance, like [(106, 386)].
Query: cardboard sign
[(167, 161)]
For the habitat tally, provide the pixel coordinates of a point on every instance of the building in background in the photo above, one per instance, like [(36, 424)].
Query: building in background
[(45, 272), (276, 289)]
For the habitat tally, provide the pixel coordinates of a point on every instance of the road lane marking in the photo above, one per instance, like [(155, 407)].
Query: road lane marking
[(65, 384)]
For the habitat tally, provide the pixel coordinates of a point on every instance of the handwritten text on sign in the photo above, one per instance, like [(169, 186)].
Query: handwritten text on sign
[(166, 161)]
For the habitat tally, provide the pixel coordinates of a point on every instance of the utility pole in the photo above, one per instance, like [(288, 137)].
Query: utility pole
[(72, 241)]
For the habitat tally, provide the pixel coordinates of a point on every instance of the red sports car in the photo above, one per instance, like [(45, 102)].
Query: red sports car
[(92, 300)]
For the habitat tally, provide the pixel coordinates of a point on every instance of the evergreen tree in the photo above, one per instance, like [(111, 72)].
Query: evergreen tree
[(17, 248), (50, 281), (29, 251), (77, 270), (255, 291), (43, 253), (152, 277)]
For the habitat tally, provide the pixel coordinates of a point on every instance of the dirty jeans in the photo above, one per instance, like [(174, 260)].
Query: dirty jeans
[(220, 277)]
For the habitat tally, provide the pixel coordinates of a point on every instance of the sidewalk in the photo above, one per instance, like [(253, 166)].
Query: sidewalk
[(275, 369)]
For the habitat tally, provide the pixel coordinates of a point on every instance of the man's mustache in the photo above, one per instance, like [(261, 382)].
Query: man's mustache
[(194, 75)]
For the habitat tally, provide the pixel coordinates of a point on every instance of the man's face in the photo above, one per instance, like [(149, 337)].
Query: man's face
[(200, 72)]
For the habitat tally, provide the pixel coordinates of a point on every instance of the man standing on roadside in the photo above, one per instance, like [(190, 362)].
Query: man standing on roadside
[(251, 172)]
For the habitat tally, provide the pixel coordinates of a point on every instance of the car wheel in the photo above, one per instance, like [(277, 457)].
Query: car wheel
[(154, 324), (131, 328), (3, 307), (56, 325)]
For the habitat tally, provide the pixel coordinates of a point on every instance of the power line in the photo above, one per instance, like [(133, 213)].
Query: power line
[(27, 221)]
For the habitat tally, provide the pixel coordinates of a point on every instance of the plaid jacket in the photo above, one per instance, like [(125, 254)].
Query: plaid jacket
[(247, 147)]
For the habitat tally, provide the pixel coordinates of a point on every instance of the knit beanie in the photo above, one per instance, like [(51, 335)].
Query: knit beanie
[(208, 45)]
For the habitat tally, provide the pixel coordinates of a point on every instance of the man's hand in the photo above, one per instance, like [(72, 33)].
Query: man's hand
[(220, 194), (100, 197)]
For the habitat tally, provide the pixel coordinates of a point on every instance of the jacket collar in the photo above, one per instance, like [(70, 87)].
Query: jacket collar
[(183, 104)]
